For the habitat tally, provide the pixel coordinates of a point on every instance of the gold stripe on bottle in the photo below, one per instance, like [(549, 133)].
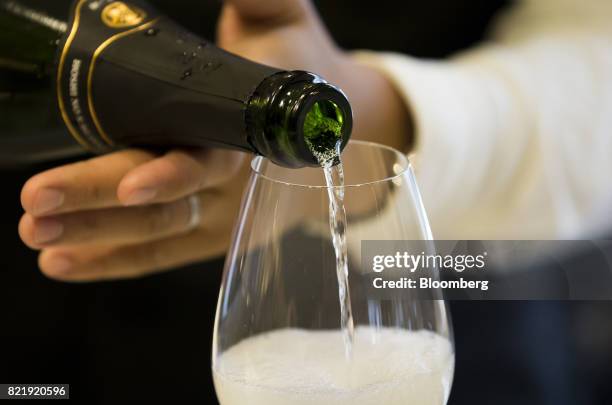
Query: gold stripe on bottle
[(92, 66), (75, 26)]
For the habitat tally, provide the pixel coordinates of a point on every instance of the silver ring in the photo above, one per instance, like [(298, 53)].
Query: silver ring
[(194, 211)]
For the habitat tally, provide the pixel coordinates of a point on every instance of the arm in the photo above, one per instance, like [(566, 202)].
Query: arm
[(514, 137), (132, 212), (486, 151)]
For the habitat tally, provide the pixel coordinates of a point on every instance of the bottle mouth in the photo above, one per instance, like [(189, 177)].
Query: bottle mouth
[(324, 124), (295, 118)]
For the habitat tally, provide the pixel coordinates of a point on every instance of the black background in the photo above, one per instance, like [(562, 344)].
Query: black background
[(149, 340)]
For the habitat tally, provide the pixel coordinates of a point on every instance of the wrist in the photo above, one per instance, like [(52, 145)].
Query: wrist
[(380, 114)]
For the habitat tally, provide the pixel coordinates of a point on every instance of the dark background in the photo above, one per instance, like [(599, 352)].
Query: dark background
[(149, 340)]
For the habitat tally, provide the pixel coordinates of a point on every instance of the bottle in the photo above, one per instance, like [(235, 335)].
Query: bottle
[(118, 74)]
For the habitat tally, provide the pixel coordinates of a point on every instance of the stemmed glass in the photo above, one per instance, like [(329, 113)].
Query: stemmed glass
[(277, 336)]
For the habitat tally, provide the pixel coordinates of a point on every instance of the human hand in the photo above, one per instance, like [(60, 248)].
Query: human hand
[(86, 217), (130, 213)]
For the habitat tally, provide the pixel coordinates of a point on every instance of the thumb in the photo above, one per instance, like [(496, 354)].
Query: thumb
[(272, 12)]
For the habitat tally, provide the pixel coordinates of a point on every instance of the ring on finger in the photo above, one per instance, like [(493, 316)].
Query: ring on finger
[(194, 211)]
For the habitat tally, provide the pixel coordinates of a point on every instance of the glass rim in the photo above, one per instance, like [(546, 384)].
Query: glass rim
[(402, 158)]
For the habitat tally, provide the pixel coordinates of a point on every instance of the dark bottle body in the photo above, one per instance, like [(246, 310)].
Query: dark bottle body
[(121, 74), (31, 129)]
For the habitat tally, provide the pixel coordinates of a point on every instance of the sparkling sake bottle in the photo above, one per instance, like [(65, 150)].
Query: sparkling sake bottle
[(100, 75)]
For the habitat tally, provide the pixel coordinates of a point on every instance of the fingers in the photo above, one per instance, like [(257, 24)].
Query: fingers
[(130, 177), (105, 263), (79, 186), (177, 174), (113, 225), (87, 233)]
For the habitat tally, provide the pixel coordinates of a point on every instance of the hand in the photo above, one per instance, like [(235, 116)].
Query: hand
[(131, 213)]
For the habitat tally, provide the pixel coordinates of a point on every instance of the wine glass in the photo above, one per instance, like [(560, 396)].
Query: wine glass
[(278, 336)]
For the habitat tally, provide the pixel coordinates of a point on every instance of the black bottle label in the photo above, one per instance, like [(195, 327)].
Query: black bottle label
[(94, 26), (129, 76)]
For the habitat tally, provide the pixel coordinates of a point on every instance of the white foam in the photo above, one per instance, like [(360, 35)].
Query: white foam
[(295, 367)]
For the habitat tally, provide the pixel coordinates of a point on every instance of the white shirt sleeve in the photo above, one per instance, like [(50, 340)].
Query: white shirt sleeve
[(514, 137)]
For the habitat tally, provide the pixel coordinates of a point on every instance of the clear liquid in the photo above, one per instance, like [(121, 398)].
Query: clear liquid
[(334, 178)]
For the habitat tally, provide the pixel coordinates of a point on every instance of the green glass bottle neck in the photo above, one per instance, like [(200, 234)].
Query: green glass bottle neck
[(296, 119)]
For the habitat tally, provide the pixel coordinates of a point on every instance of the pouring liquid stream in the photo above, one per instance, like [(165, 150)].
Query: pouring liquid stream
[(322, 130), (334, 178)]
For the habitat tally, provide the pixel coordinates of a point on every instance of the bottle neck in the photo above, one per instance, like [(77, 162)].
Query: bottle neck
[(128, 75), (125, 75)]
